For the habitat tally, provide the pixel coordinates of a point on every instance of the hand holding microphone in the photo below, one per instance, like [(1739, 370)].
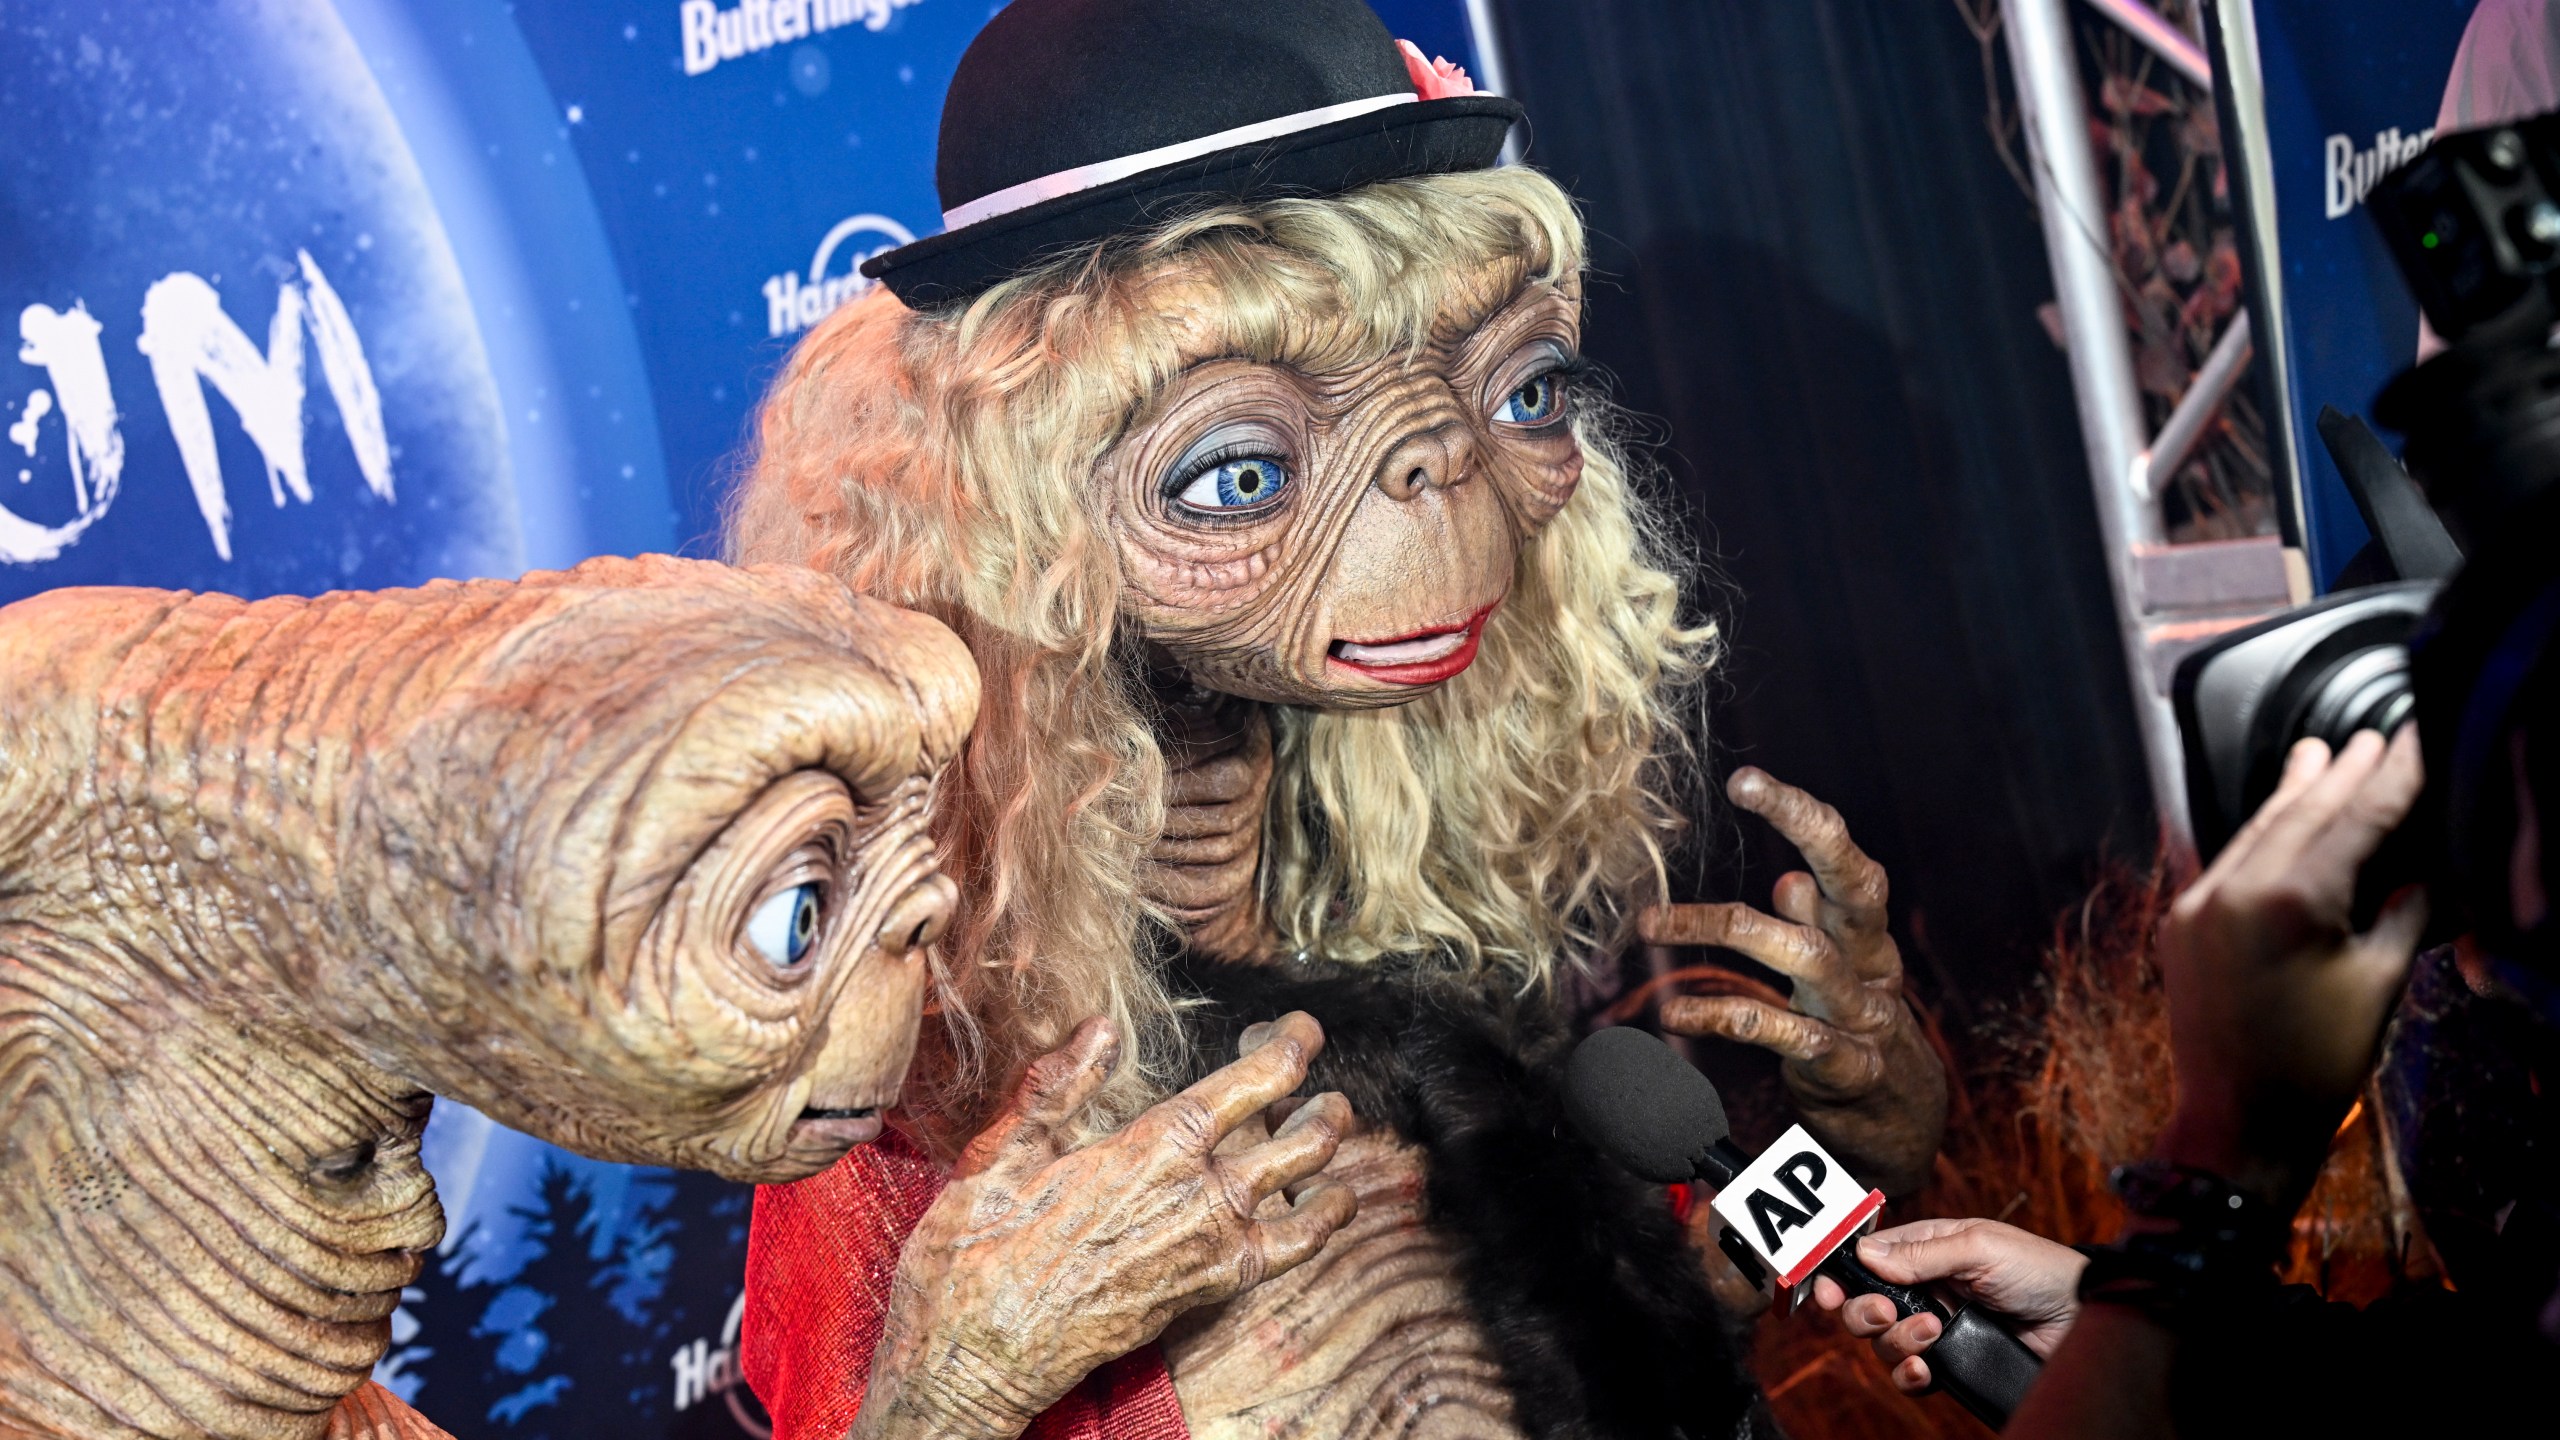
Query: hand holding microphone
[(2028, 1279), (1791, 1213)]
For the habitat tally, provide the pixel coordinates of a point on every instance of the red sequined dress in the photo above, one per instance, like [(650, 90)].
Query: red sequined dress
[(820, 1258)]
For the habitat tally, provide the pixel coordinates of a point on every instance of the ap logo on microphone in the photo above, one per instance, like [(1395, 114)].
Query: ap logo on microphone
[(1794, 1205)]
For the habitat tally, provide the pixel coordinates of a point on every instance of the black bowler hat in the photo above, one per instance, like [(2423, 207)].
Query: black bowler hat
[(1070, 121)]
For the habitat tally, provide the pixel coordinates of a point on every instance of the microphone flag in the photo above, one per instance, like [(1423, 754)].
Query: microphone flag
[(1793, 1206)]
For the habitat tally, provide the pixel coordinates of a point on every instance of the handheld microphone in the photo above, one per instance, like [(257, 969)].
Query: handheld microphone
[(1790, 1213)]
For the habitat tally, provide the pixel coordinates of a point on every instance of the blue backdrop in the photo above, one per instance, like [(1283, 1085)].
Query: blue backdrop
[(316, 295), (2353, 88)]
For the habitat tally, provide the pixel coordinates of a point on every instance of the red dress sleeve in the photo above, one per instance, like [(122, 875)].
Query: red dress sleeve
[(820, 1256)]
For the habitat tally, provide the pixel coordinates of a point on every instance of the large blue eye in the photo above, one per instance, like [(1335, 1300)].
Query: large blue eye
[(1534, 403), (785, 927), (1238, 484)]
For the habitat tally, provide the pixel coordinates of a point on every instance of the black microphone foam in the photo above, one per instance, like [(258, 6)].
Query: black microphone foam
[(1651, 1111), (1627, 1093)]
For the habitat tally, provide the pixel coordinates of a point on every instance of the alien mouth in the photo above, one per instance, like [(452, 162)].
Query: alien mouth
[(846, 1127), (1423, 658)]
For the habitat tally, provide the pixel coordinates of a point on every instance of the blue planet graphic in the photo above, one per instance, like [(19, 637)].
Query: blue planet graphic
[(319, 412)]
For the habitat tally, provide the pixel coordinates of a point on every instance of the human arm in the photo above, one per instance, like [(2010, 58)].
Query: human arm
[(2276, 1005), (1866, 1081), (1038, 1263)]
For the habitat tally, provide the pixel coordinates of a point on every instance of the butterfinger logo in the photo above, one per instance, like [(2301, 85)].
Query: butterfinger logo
[(712, 34)]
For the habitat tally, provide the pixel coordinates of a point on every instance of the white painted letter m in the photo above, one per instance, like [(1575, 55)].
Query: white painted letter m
[(191, 341)]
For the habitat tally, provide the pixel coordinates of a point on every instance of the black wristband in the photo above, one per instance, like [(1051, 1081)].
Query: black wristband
[(2219, 1242), (2198, 1201)]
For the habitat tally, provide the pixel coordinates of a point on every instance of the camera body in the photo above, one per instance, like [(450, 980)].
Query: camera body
[(2465, 641), (2474, 222)]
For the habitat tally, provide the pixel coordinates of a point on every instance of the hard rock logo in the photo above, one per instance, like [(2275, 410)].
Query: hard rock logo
[(793, 303)]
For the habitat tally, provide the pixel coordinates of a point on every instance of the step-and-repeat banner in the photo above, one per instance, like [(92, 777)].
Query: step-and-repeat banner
[(318, 294), (2352, 89)]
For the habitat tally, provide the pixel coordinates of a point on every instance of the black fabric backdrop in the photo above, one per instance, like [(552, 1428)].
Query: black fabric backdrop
[(1816, 275)]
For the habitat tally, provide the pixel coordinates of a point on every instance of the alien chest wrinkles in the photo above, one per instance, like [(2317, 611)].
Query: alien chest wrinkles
[(1371, 1338)]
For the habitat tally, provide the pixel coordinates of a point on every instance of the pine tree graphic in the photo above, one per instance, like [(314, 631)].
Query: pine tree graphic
[(616, 1270)]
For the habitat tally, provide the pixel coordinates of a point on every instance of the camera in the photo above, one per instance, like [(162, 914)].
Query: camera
[(2460, 634), (2326, 670)]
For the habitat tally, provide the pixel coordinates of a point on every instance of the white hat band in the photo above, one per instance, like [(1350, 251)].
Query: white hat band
[(1087, 177)]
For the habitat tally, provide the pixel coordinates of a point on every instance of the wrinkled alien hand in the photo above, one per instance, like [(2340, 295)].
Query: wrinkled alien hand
[(1038, 1263), (1868, 1083)]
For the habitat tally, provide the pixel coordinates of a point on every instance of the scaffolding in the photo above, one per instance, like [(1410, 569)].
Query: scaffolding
[(2169, 597)]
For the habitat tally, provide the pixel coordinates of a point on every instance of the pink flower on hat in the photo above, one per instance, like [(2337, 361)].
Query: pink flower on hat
[(1435, 78)]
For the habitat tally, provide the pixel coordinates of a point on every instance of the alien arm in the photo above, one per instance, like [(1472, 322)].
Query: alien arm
[(903, 1304), (1864, 1075)]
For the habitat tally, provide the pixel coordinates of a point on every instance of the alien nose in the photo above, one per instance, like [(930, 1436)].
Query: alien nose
[(1434, 459), (920, 916)]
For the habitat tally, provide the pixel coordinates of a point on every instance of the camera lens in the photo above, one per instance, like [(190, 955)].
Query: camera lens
[(2502, 159), (2365, 689), (2325, 671), (2535, 231)]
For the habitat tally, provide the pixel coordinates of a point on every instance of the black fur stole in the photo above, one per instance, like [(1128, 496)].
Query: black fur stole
[(1576, 1269)]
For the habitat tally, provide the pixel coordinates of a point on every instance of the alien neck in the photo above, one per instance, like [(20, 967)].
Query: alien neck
[(1203, 871), (210, 1216)]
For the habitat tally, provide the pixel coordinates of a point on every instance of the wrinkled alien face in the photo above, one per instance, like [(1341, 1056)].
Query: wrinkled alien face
[(793, 951), (708, 800), (1341, 538)]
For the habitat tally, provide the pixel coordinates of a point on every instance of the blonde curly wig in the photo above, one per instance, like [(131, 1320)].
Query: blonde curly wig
[(1507, 823)]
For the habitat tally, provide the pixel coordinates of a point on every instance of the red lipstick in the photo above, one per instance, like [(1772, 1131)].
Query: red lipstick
[(1429, 669)]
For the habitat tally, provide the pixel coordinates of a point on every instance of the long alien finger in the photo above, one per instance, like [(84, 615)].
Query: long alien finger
[(1289, 1240), (1825, 1061), (1303, 1145), (1848, 876), (1750, 1022), (1826, 986), (1798, 897), (1223, 1100), (1258, 1128), (1056, 1086), (1861, 935)]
